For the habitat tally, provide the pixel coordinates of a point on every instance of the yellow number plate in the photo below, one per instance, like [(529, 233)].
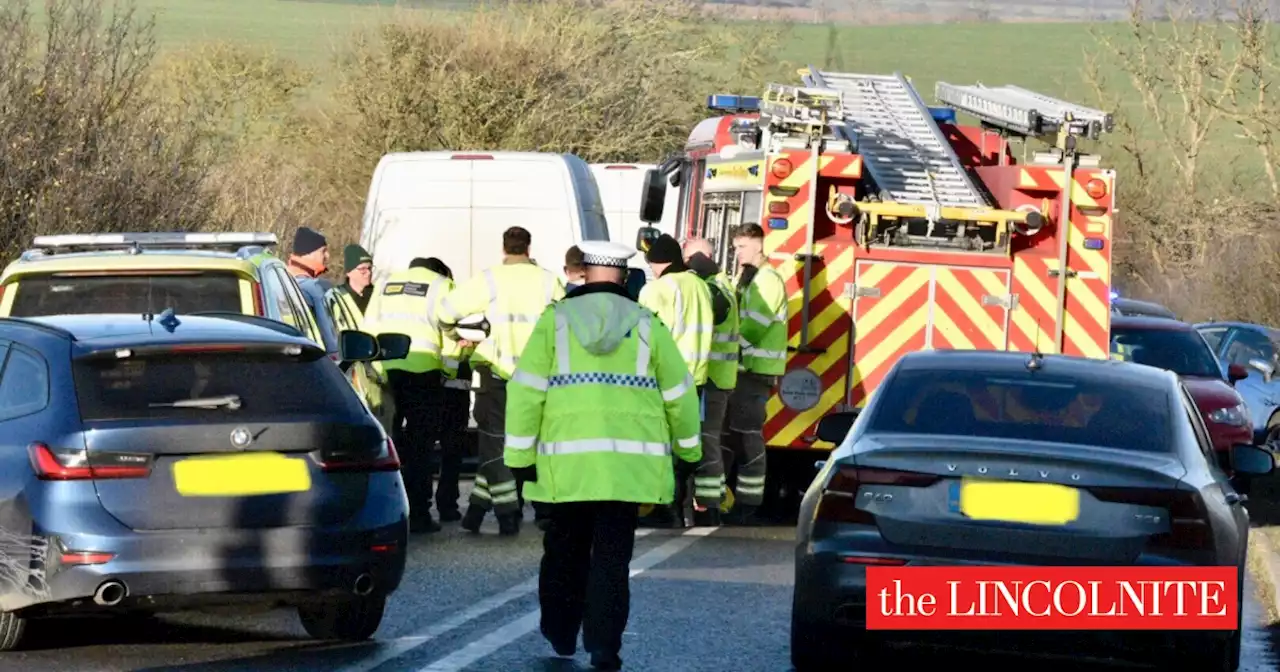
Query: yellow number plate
[(241, 475), (1011, 502)]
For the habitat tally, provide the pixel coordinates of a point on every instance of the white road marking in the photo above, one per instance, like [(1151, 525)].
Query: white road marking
[(480, 648), (398, 646)]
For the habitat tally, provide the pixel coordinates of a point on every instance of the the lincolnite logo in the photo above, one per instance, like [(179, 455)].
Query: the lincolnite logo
[(1012, 471), (241, 437)]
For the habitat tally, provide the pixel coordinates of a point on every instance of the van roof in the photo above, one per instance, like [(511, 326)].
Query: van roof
[(395, 157)]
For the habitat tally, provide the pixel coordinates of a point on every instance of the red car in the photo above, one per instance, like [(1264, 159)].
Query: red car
[(1178, 347)]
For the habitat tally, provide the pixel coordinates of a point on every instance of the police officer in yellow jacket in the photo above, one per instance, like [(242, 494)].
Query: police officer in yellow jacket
[(511, 296), (722, 377), (348, 301), (405, 303), (683, 302), (455, 412), (763, 316), (600, 401)]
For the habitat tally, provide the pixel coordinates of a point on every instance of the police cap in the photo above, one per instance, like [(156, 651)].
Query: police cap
[(605, 253)]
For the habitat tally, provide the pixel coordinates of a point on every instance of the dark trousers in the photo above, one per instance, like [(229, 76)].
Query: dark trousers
[(495, 486), (745, 419), (419, 405), (456, 411), (585, 578), (708, 481)]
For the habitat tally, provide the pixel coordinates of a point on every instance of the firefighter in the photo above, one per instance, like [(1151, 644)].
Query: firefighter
[(762, 320), (722, 377), (683, 302), (405, 304), (455, 411), (591, 355), (511, 296), (573, 268)]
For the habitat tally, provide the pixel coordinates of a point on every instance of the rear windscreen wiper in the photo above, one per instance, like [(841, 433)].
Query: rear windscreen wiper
[(230, 401)]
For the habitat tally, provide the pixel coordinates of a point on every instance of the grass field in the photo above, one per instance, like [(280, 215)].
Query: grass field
[(311, 32)]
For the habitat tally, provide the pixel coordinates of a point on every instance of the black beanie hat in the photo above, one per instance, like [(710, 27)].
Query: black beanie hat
[(307, 240), (664, 250)]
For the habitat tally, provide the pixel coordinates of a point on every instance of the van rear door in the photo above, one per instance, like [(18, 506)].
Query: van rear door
[(421, 207)]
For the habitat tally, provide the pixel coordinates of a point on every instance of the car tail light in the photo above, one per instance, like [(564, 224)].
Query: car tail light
[(75, 465), (258, 301), (386, 460), (1188, 520), (839, 497)]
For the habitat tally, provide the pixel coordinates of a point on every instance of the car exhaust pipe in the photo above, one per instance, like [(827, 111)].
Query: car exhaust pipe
[(110, 593), (363, 585)]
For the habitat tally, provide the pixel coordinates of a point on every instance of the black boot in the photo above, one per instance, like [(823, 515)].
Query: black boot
[(509, 524), (423, 525), (472, 521), (606, 661), (741, 515), (450, 516), (706, 518)]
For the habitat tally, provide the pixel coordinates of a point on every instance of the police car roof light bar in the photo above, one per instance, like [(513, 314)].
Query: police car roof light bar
[(231, 240), (724, 102)]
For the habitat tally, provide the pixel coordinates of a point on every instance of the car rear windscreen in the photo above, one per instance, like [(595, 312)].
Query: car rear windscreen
[(1106, 413), (212, 387), (1181, 351), (74, 295)]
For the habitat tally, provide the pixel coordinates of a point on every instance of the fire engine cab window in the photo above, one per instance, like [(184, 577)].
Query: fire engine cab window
[(130, 294), (1110, 414), (266, 387)]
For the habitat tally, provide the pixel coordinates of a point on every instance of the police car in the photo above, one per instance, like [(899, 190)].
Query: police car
[(137, 273)]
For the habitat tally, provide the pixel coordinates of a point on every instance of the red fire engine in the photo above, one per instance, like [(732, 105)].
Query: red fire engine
[(899, 229)]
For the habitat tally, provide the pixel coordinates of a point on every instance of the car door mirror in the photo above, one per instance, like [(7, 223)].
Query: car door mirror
[(653, 196), (1264, 367), (1235, 372), (834, 427), (1252, 460), (357, 346), (393, 346)]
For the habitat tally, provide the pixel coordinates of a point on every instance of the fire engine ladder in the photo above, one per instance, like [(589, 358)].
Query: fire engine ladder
[(1026, 113), (904, 151)]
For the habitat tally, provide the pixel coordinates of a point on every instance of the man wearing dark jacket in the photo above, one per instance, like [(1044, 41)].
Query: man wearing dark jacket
[(722, 377)]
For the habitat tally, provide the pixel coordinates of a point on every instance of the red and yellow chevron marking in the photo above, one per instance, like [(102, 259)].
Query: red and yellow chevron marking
[(1087, 316), (829, 309), (889, 325), (961, 320)]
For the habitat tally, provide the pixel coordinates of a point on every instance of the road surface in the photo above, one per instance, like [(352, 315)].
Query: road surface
[(700, 603)]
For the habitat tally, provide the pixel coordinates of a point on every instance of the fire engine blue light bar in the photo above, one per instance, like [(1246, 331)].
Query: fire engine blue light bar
[(1114, 295), (1093, 243), (777, 223), (944, 115), (723, 102)]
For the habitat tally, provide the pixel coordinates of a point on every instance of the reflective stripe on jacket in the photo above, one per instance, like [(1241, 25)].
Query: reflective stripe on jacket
[(722, 364), (600, 401), (764, 314), (405, 303), (511, 297), (682, 301)]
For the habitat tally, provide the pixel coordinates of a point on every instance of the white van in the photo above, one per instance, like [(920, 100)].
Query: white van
[(621, 185), (455, 206)]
